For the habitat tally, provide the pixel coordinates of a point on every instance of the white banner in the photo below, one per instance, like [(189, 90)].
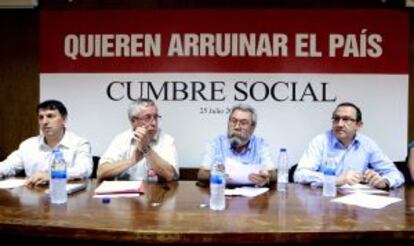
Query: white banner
[(292, 108)]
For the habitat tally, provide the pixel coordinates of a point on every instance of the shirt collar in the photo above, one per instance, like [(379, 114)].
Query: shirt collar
[(335, 143), (64, 142)]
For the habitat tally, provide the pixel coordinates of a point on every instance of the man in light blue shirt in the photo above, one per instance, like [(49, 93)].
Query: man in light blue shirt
[(359, 159), (242, 146)]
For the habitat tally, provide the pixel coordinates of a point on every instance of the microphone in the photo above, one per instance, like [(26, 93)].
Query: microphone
[(235, 142)]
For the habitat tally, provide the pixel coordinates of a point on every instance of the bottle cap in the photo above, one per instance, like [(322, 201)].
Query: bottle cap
[(283, 149), (106, 200)]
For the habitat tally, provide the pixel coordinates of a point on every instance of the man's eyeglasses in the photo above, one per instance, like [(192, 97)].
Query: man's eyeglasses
[(346, 120), (242, 123), (148, 118)]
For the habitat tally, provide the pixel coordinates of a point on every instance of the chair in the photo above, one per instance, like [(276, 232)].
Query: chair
[(292, 172), (95, 160), (402, 166), (188, 174)]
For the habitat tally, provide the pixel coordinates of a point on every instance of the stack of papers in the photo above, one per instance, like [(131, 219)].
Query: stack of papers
[(239, 172), (119, 188), (245, 191)]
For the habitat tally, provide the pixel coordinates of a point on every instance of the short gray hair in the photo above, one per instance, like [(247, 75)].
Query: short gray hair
[(245, 108), (137, 106)]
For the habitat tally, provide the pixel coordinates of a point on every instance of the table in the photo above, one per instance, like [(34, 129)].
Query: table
[(178, 212)]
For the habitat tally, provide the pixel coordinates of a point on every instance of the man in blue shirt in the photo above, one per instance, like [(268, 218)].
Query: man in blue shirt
[(240, 145), (359, 159)]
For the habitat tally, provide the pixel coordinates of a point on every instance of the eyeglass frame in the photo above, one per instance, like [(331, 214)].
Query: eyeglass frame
[(345, 119), (148, 118), (243, 122)]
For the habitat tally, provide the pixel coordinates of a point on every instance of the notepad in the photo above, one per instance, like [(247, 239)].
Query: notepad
[(119, 187)]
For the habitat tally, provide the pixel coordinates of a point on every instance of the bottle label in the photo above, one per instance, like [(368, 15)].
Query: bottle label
[(58, 174), (330, 172), (216, 179)]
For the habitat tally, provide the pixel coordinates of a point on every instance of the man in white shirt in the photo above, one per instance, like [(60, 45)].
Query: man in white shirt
[(34, 154), (142, 152)]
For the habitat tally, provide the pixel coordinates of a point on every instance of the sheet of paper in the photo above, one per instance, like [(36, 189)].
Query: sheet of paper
[(115, 187), (246, 191), (72, 188), (11, 183), (239, 172), (361, 188), (367, 200), (117, 195)]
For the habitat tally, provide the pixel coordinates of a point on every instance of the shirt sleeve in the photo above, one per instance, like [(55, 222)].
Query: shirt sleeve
[(380, 163), (115, 152), (12, 164), (82, 162), (266, 157), (209, 155), (308, 168), (170, 154)]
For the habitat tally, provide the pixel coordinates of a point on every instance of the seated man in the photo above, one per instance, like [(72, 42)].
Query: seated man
[(142, 152), (359, 159), (34, 154), (242, 146)]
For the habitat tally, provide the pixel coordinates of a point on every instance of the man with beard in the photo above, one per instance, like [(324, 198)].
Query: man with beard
[(142, 152), (358, 158), (241, 145), (34, 154)]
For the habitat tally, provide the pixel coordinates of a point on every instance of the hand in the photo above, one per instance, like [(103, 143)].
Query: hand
[(142, 138), (40, 178), (262, 178), (375, 179), (350, 177)]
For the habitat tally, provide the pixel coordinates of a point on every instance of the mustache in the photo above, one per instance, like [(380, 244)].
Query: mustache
[(235, 142)]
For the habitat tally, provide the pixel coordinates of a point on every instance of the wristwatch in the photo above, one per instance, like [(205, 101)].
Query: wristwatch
[(146, 150)]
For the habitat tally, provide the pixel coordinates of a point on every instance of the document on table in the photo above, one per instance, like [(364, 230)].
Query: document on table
[(117, 195), (72, 188), (11, 183), (367, 200), (361, 188), (119, 187), (239, 172), (246, 191)]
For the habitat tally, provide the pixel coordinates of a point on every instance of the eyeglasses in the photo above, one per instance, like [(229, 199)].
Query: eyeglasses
[(346, 120), (148, 118), (242, 123)]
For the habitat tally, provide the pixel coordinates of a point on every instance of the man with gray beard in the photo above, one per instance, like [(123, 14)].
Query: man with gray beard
[(241, 145)]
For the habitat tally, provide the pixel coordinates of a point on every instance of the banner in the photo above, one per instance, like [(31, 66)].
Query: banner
[(293, 66)]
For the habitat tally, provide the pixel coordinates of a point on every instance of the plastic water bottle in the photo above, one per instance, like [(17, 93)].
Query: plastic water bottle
[(217, 187), (58, 194), (282, 170), (329, 181)]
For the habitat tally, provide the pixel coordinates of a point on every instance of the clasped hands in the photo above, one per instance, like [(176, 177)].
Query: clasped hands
[(142, 137), (370, 177)]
